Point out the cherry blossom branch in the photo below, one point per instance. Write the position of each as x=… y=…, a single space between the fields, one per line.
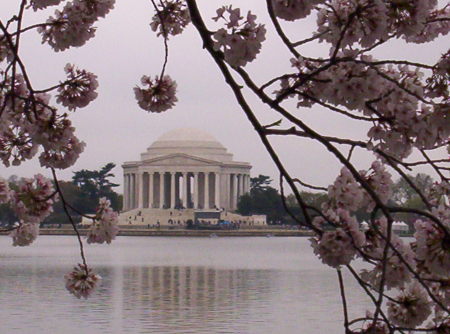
x=35 y=26
x=290 y=213
x=204 y=33
x=343 y=299
x=281 y=77
x=395 y=82
x=310 y=39
x=339 y=110
x=279 y=30
x=396 y=62
x=432 y=164
x=375 y=45
x=309 y=185
x=368 y=292
x=166 y=47
x=74 y=226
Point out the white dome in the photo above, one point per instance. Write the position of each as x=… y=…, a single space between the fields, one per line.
x=189 y=141
x=187 y=134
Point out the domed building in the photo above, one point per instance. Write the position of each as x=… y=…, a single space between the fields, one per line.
x=185 y=169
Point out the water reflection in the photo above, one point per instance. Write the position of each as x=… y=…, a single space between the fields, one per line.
x=141 y=294
x=193 y=299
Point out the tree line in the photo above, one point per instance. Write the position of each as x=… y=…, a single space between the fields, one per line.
x=82 y=193
x=266 y=200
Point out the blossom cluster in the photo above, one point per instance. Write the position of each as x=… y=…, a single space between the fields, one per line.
x=42 y=4
x=158 y=96
x=32 y=201
x=340 y=245
x=24 y=234
x=411 y=308
x=241 y=40
x=28 y=121
x=171 y=18
x=392 y=260
x=291 y=10
x=346 y=22
x=346 y=193
x=81 y=281
x=73 y=25
x=104 y=227
x=398 y=257
x=432 y=245
x=79 y=89
x=391 y=95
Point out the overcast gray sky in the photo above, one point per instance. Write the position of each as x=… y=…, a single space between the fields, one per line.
x=117 y=130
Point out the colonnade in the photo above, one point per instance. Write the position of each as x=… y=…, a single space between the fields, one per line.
x=184 y=189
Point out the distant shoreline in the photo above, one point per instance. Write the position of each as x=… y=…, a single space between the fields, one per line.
x=143 y=232
x=188 y=233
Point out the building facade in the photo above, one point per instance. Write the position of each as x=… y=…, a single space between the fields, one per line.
x=185 y=168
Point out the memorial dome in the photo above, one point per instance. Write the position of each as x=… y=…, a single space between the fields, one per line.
x=188 y=141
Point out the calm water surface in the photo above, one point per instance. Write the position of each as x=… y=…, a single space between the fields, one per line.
x=173 y=285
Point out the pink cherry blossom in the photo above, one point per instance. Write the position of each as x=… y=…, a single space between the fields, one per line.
x=363 y=22
x=345 y=193
x=397 y=273
x=42 y=4
x=432 y=246
x=64 y=156
x=5 y=192
x=437 y=84
x=411 y=307
x=291 y=10
x=375 y=328
x=435 y=24
x=381 y=183
x=16 y=146
x=33 y=200
x=338 y=246
x=5 y=49
x=25 y=234
x=158 y=96
x=81 y=282
x=104 y=227
x=172 y=18
x=79 y=89
x=73 y=26
x=240 y=42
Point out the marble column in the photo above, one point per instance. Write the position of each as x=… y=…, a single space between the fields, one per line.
x=242 y=184
x=151 y=182
x=196 y=192
x=133 y=191
x=140 y=192
x=217 y=190
x=172 y=190
x=235 y=192
x=206 y=192
x=184 y=193
x=161 y=190
x=125 y=195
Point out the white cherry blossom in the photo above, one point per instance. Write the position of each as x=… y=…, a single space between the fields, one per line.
x=104 y=228
x=79 y=89
x=81 y=282
x=172 y=18
x=411 y=307
x=158 y=96
x=25 y=234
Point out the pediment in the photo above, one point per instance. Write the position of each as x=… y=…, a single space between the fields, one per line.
x=180 y=159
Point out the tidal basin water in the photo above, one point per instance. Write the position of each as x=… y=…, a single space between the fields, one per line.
x=174 y=285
